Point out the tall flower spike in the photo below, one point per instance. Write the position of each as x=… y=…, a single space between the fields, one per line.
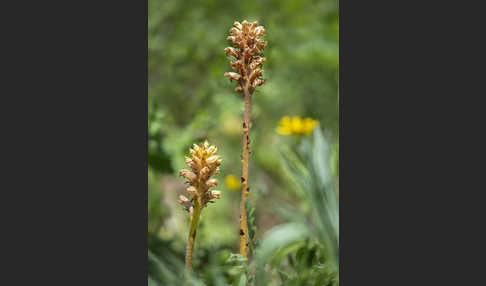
x=203 y=163
x=247 y=53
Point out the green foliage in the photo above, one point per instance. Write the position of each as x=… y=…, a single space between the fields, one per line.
x=164 y=264
x=314 y=177
x=308 y=245
x=157 y=211
x=238 y=270
x=252 y=228
x=158 y=159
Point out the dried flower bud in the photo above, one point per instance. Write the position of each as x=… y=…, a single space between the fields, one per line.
x=246 y=27
x=232 y=75
x=260 y=45
x=211 y=160
x=183 y=199
x=186 y=203
x=192 y=191
x=215 y=194
x=211 y=183
x=255 y=73
x=257 y=62
x=198 y=163
x=237 y=25
x=188 y=175
x=212 y=150
x=232 y=39
x=189 y=161
x=191 y=164
x=258 y=82
x=204 y=173
x=234 y=31
x=231 y=52
x=259 y=31
x=236 y=65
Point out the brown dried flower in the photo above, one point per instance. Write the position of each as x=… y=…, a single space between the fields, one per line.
x=248 y=54
x=204 y=163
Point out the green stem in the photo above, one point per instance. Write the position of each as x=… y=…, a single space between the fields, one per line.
x=192 y=235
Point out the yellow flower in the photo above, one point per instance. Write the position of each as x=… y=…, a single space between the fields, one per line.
x=232 y=182
x=285 y=126
x=296 y=125
x=308 y=125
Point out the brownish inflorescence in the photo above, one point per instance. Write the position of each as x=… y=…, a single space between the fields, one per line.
x=248 y=53
x=203 y=163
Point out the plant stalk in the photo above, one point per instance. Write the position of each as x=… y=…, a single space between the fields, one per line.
x=244 y=177
x=192 y=235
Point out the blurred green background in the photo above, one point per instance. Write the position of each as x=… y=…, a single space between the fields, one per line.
x=293 y=178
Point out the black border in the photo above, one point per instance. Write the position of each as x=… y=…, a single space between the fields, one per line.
x=78 y=144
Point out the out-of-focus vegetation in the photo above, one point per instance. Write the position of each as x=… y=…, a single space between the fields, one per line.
x=293 y=203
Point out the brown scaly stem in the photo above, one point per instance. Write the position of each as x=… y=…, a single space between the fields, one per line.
x=244 y=177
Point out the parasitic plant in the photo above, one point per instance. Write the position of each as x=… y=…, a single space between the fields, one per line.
x=204 y=163
x=247 y=51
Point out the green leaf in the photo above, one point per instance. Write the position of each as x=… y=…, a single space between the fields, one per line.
x=283 y=276
x=242 y=281
x=278 y=237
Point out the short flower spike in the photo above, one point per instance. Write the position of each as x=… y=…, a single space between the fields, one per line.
x=203 y=164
